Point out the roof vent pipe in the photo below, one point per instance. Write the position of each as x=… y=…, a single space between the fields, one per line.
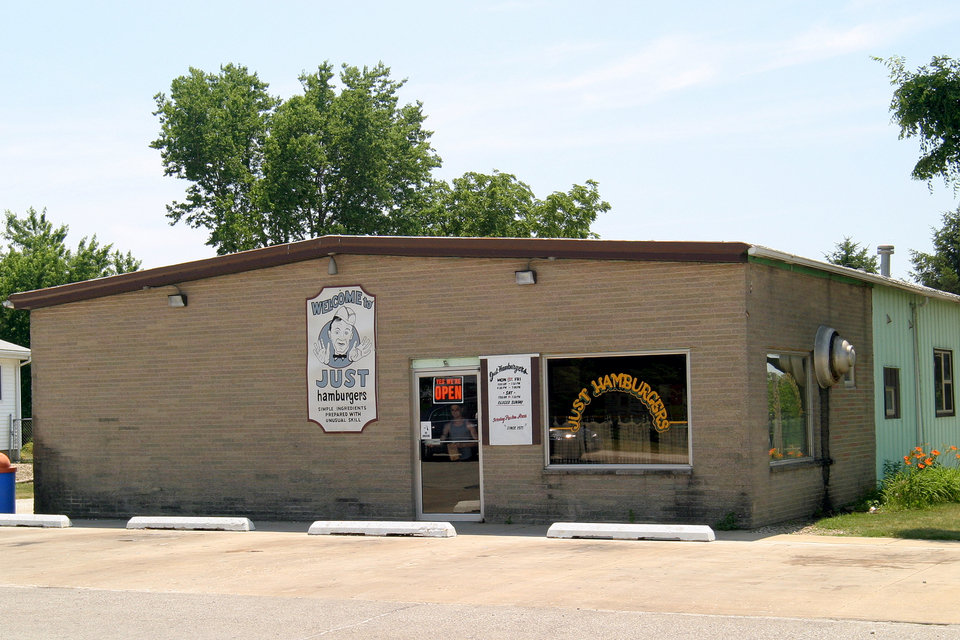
x=885 y=251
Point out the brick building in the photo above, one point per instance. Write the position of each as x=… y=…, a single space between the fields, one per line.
x=523 y=380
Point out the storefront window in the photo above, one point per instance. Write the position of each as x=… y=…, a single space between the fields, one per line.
x=788 y=406
x=618 y=410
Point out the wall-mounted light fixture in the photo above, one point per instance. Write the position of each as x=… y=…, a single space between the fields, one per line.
x=527 y=276
x=332 y=266
x=178 y=299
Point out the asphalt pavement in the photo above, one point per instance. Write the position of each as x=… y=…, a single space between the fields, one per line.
x=100 y=580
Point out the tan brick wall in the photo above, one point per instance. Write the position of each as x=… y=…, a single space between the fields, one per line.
x=785 y=309
x=140 y=408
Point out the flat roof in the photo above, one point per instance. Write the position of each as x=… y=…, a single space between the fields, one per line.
x=526 y=248
x=419 y=246
x=756 y=251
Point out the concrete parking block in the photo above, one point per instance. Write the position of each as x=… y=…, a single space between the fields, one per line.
x=380 y=528
x=682 y=532
x=195 y=523
x=33 y=520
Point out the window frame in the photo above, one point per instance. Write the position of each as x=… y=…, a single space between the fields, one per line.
x=612 y=467
x=808 y=405
x=942 y=386
x=850 y=378
x=891 y=412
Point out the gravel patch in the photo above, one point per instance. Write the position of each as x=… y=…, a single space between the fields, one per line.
x=24 y=471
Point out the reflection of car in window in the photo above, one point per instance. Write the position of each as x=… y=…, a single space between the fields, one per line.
x=568 y=446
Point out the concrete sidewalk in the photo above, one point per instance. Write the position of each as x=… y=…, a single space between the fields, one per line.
x=790 y=576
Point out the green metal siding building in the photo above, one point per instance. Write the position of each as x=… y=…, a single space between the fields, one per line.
x=909 y=327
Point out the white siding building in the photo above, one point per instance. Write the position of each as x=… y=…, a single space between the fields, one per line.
x=12 y=357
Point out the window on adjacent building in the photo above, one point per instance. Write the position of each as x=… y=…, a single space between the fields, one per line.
x=943 y=382
x=618 y=409
x=850 y=378
x=788 y=406
x=891 y=392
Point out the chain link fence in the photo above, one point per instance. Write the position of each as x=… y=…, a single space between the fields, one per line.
x=21 y=435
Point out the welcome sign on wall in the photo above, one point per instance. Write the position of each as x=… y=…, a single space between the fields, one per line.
x=342 y=358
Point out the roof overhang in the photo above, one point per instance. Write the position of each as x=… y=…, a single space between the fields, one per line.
x=13 y=351
x=757 y=251
x=523 y=248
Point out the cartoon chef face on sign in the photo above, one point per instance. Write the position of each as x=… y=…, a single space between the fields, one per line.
x=339 y=344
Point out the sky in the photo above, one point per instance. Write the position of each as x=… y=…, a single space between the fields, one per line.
x=758 y=122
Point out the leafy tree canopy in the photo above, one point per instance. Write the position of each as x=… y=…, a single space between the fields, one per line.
x=342 y=157
x=500 y=205
x=941 y=269
x=851 y=254
x=926 y=105
x=37 y=257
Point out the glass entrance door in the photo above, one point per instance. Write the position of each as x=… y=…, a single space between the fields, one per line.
x=449 y=459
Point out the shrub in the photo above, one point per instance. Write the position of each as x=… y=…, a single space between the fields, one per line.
x=922 y=481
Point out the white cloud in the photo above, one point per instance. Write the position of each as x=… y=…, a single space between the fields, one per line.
x=823 y=43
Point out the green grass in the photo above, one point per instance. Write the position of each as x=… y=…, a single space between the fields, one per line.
x=937 y=522
x=24 y=490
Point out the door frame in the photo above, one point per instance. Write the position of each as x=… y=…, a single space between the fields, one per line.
x=415 y=375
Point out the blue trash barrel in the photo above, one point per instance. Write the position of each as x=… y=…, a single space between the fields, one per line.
x=8 y=486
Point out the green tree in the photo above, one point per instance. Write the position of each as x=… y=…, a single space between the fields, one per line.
x=37 y=257
x=926 y=105
x=266 y=171
x=851 y=254
x=212 y=131
x=500 y=205
x=347 y=162
x=343 y=157
x=941 y=269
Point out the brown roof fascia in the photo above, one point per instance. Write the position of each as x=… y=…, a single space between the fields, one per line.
x=527 y=248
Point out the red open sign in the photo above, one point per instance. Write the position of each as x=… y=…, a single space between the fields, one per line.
x=448 y=390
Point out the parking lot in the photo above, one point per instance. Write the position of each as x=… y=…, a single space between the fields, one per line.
x=491 y=568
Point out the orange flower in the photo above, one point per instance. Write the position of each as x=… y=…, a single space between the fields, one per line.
x=920 y=466
x=934 y=453
x=910 y=462
x=919 y=449
x=906 y=459
x=929 y=461
x=953 y=447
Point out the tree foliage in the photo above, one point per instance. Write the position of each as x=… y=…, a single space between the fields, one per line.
x=941 y=269
x=851 y=254
x=37 y=257
x=926 y=105
x=212 y=131
x=342 y=157
x=500 y=205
